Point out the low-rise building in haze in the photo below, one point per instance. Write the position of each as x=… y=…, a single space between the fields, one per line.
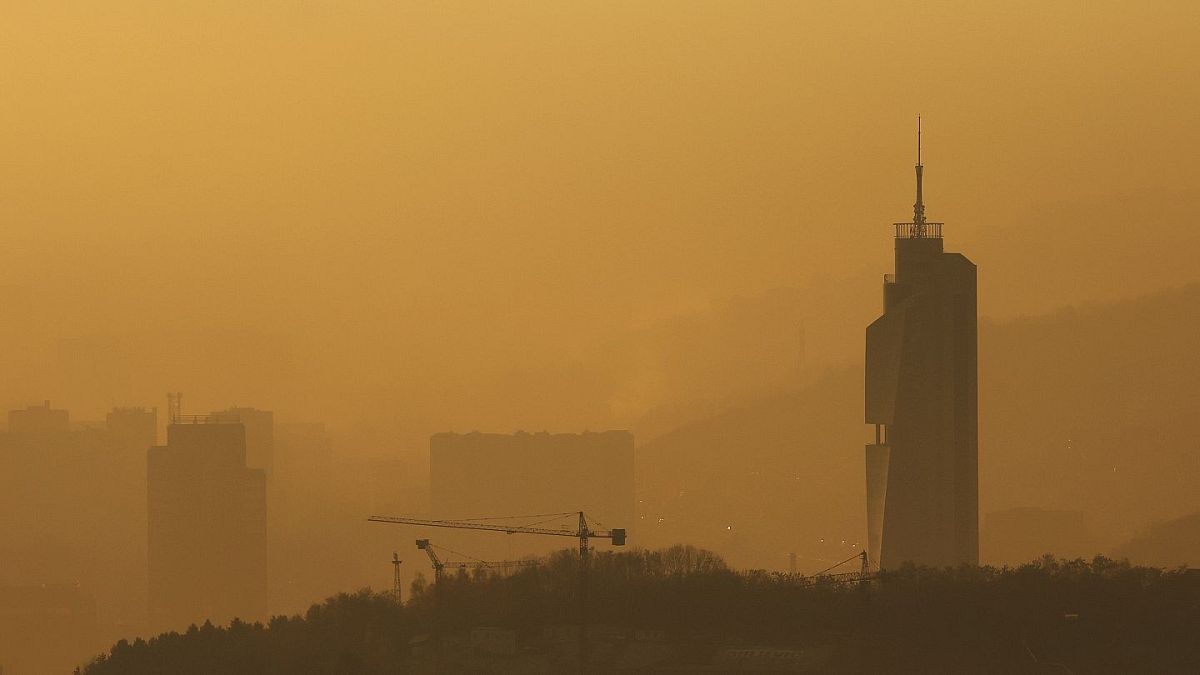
x=40 y=422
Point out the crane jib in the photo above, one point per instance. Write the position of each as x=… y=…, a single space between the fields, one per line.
x=617 y=535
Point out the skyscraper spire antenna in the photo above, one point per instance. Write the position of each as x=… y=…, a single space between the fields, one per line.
x=918 y=227
x=919 y=205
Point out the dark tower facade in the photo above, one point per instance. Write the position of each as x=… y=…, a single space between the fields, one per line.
x=921 y=395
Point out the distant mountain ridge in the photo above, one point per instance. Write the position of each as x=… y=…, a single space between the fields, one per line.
x=1084 y=408
x=1166 y=544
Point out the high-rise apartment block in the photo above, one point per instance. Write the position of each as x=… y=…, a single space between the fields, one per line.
x=207 y=526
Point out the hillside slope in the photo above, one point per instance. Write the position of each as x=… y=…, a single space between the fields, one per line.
x=1083 y=409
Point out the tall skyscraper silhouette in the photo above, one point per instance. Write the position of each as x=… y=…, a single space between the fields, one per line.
x=921 y=395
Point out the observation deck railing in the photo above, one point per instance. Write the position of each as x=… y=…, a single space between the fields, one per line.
x=216 y=418
x=918 y=231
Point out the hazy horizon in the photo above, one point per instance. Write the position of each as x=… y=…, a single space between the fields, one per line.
x=389 y=204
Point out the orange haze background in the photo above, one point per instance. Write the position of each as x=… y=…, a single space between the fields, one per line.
x=404 y=218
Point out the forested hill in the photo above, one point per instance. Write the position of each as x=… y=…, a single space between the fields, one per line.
x=683 y=609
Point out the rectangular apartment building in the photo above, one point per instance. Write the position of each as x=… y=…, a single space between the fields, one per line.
x=207 y=526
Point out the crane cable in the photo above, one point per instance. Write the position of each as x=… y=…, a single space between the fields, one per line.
x=556 y=517
x=535 y=515
x=458 y=553
x=856 y=555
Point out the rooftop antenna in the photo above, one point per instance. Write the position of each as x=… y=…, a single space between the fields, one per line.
x=919 y=205
x=174 y=407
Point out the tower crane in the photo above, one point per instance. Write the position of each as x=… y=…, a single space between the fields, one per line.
x=583 y=532
x=439 y=565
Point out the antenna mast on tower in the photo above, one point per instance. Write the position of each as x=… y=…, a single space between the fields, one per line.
x=174 y=406
x=919 y=228
x=919 y=205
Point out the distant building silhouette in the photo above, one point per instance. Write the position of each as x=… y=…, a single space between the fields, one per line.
x=260 y=436
x=40 y=422
x=207 y=529
x=474 y=475
x=133 y=427
x=46 y=627
x=78 y=486
x=921 y=395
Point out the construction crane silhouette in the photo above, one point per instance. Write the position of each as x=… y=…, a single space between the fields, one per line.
x=583 y=532
x=439 y=565
x=866 y=573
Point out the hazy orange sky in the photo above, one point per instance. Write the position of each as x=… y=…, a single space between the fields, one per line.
x=405 y=194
